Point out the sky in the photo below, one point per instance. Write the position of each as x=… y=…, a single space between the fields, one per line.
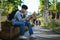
x=32 y=5
x=58 y=0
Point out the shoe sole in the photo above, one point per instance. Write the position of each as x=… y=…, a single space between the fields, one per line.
x=22 y=39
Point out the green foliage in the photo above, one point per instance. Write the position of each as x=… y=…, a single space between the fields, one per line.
x=58 y=6
x=4 y=13
x=52 y=6
x=54 y=24
x=15 y=1
x=41 y=7
x=42 y=2
x=9 y=5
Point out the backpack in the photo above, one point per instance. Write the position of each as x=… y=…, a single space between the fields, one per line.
x=11 y=16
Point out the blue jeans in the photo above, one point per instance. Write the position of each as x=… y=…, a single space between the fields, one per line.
x=22 y=25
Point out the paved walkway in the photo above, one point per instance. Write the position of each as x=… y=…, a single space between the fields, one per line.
x=43 y=34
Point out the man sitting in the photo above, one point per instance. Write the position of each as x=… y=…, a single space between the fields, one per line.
x=21 y=19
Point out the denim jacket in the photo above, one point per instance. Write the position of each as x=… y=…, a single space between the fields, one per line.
x=19 y=17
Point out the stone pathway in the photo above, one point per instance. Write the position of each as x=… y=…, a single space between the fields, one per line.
x=43 y=34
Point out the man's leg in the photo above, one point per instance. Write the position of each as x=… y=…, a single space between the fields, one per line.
x=30 y=30
x=29 y=27
x=21 y=26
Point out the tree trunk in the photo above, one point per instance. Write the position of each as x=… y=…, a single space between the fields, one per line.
x=0 y=18
x=46 y=12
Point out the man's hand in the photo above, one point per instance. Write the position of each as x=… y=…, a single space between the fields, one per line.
x=28 y=17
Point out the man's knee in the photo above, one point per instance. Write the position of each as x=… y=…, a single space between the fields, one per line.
x=19 y=23
x=22 y=23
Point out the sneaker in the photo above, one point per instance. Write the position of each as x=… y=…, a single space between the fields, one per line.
x=33 y=36
x=23 y=37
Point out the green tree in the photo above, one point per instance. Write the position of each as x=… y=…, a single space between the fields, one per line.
x=44 y=9
x=41 y=7
x=8 y=5
x=52 y=6
x=58 y=6
x=46 y=12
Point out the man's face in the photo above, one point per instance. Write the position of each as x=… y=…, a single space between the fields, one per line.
x=23 y=10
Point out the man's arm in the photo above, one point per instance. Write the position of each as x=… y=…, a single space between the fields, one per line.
x=18 y=16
